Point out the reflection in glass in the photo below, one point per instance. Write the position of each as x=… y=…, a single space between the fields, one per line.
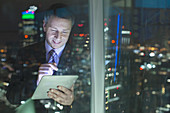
x=136 y=56
x=30 y=31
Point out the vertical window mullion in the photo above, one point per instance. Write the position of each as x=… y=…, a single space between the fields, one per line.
x=97 y=55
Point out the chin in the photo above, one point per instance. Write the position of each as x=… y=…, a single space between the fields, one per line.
x=56 y=47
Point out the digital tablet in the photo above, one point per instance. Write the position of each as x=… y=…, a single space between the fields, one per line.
x=50 y=81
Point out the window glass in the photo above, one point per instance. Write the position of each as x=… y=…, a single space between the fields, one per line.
x=136 y=34
x=21 y=27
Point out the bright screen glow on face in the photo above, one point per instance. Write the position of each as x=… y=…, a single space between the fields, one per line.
x=57 y=31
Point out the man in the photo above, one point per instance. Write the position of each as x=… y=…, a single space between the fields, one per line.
x=57 y=27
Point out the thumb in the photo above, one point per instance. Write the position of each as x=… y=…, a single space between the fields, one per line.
x=54 y=66
x=72 y=87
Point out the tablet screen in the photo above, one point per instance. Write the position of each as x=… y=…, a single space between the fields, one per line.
x=50 y=81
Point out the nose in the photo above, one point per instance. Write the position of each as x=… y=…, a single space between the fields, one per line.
x=58 y=35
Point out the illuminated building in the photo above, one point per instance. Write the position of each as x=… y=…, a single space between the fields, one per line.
x=28 y=27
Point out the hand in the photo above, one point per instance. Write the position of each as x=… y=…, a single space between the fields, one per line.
x=63 y=95
x=46 y=69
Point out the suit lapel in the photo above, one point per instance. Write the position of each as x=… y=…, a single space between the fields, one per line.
x=40 y=53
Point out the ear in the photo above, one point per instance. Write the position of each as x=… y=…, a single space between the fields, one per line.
x=44 y=26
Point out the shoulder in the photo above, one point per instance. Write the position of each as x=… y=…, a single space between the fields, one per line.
x=32 y=53
x=33 y=48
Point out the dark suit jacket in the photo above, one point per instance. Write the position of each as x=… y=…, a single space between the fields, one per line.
x=23 y=83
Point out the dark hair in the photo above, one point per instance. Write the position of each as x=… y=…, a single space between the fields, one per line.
x=59 y=10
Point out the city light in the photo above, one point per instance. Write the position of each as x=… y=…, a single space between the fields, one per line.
x=168 y=80
x=41 y=35
x=106 y=29
x=5 y=83
x=145 y=80
x=141 y=48
x=47 y=105
x=136 y=51
x=164 y=60
x=137 y=60
x=123 y=27
x=153 y=92
x=81 y=35
x=54 y=108
x=168 y=105
x=152 y=54
x=164 y=109
x=26 y=36
x=113 y=41
x=149 y=66
x=28 y=22
x=107 y=108
x=109 y=69
x=117 y=73
x=28 y=16
x=80 y=25
x=85 y=45
x=75 y=34
x=60 y=106
x=105 y=24
x=115 y=95
x=3 y=59
x=2 y=51
x=142 y=54
x=106 y=92
x=126 y=32
x=87 y=41
x=142 y=67
x=153 y=66
x=138 y=93
x=22 y=102
x=163 y=90
x=32 y=8
x=160 y=55
x=152 y=48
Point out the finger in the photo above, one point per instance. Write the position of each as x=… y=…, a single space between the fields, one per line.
x=56 y=98
x=51 y=95
x=44 y=73
x=59 y=93
x=53 y=66
x=65 y=90
x=49 y=65
x=60 y=100
x=45 y=65
x=44 y=68
x=72 y=88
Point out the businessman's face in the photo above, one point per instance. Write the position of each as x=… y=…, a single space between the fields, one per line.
x=57 y=31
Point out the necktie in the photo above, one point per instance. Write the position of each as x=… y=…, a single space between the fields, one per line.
x=53 y=57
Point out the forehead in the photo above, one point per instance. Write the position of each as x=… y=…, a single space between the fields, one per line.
x=59 y=22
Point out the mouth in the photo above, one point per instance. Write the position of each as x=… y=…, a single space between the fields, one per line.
x=56 y=42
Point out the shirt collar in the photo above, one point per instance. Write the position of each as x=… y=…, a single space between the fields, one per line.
x=49 y=48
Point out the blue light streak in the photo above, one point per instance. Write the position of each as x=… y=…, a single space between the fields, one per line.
x=28 y=12
x=117 y=46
